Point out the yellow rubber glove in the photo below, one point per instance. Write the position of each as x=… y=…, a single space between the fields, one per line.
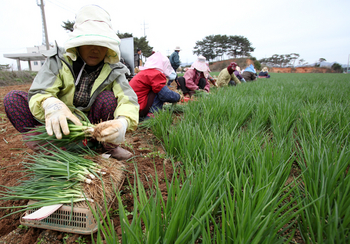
x=111 y=131
x=56 y=115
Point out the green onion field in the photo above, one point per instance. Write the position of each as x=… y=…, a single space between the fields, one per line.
x=262 y=162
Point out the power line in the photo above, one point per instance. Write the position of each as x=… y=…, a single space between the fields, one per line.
x=62 y=6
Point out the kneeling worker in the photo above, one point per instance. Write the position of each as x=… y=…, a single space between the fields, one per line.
x=150 y=85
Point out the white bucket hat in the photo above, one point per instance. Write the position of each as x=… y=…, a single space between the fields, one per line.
x=93 y=27
x=200 y=64
x=160 y=62
x=177 y=48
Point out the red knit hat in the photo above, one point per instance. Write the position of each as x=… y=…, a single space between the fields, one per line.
x=233 y=65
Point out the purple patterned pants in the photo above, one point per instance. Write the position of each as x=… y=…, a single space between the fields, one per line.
x=17 y=109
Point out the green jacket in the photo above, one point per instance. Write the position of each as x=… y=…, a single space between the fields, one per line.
x=56 y=79
x=225 y=77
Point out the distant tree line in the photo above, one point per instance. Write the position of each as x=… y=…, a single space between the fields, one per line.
x=216 y=46
x=282 y=60
x=289 y=60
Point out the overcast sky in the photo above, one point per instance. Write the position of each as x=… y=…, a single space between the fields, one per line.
x=312 y=28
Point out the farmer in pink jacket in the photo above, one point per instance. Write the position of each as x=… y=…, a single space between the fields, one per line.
x=195 y=78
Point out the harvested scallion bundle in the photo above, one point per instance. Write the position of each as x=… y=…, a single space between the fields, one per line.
x=77 y=133
x=55 y=176
x=59 y=163
x=46 y=190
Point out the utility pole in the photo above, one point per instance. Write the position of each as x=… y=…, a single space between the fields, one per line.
x=144 y=28
x=45 y=40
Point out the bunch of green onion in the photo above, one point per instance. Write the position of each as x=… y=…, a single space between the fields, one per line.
x=52 y=179
x=63 y=165
x=77 y=133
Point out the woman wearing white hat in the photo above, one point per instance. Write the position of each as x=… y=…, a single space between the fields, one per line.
x=86 y=76
x=264 y=73
x=150 y=85
x=195 y=78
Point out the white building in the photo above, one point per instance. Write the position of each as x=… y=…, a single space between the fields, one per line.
x=36 y=64
x=33 y=56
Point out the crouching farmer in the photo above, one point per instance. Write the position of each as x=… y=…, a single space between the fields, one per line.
x=227 y=76
x=195 y=78
x=86 y=76
x=150 y=85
